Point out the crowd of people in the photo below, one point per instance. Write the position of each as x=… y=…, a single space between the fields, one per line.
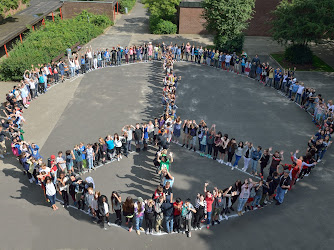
x=62 y=174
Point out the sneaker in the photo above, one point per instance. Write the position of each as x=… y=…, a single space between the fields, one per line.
x=109 y=224
x=1 y=156
x=138 y=232
x=207 y=226
x=226 y=218
x=105 y=228
x=130 y=229
x=30 y=180
x=120 y=157
x=141 y=229
x=199 y=228
x=147 y=231
x=189 y=234
x=220 y=217
x=306 y=175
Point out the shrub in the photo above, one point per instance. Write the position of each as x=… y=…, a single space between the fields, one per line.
x=298 y=54
x=229 y=45
x=126 y=4
x=42 y=45
x=165 y=27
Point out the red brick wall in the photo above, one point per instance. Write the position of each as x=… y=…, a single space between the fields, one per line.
x=259 y=25
x=190 y=21
x=71 y=9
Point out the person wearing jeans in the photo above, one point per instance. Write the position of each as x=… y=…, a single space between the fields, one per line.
x=238 y=154
x=209 y=198
x=167 y=209
x=284 y=185
x=258 y=194
x=139 y=208
x=244 y=194
x=247 y=155
x=256 y=155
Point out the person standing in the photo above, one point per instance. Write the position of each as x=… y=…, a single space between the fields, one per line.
x=187 y=213
x=247 y=155
x=277 y=158
x=103 y=208
x=244 y=195
x=116 y=201
x=283 y=187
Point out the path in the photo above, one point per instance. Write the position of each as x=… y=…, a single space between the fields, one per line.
x=133 y=29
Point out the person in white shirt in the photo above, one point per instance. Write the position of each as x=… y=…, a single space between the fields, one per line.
x=103 y=208
x=50 y=191
x=227 y=61
x=300 y=91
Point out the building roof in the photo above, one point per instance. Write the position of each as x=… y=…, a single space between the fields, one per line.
x=191 y=4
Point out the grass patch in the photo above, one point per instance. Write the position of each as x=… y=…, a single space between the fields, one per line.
x=317 y=65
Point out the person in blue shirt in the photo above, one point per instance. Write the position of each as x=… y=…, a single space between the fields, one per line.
x=34 y=149
x=295 y=87
x=107 y=57
x=119 y=56
x=196 y=54
x=83 y=65
x=178 y=54
x=256 y=155
x=110 y=147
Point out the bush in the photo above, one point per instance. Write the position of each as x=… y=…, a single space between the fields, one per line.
x=126 y=4
x=42 y=45
x=165 y=27
x=160 y=26
x=225 y=44
x=298 y=54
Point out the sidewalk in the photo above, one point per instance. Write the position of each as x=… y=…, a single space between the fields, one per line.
x=133 y=29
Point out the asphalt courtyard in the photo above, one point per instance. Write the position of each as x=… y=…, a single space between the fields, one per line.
x=104 y=100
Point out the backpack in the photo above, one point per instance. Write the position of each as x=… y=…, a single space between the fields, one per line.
x=184 y=211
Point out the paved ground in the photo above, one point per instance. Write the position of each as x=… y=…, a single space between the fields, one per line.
x=302 y=222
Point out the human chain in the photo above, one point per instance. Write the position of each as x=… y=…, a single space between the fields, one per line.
x=62 y=173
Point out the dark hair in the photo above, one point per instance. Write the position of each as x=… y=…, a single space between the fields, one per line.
x=178 y=200
x=128 y=205
x=113 y=198
x=188 y=200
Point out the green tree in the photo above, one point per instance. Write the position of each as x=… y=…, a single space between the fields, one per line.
x=164 y=9
x=299 y=22
x=10 y=4
x=303 y=21
x=227 y=19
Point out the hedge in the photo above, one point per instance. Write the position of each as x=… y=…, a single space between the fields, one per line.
x=161 y=26
x=126 y=4
x=298 y=54
x=222 y=43
x=42 y=45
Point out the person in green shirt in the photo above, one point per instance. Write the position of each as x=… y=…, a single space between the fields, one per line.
x=164 y=161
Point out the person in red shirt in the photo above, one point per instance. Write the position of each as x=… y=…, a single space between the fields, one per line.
x=177 y=214
x=54 y=168
x=209 y=198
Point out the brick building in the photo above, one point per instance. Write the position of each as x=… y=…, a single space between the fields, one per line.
x=190 y=18
x=72 y=8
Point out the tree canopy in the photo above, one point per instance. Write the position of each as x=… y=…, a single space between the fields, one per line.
x=303 y=21
x=228 y=19
x=165 y=9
